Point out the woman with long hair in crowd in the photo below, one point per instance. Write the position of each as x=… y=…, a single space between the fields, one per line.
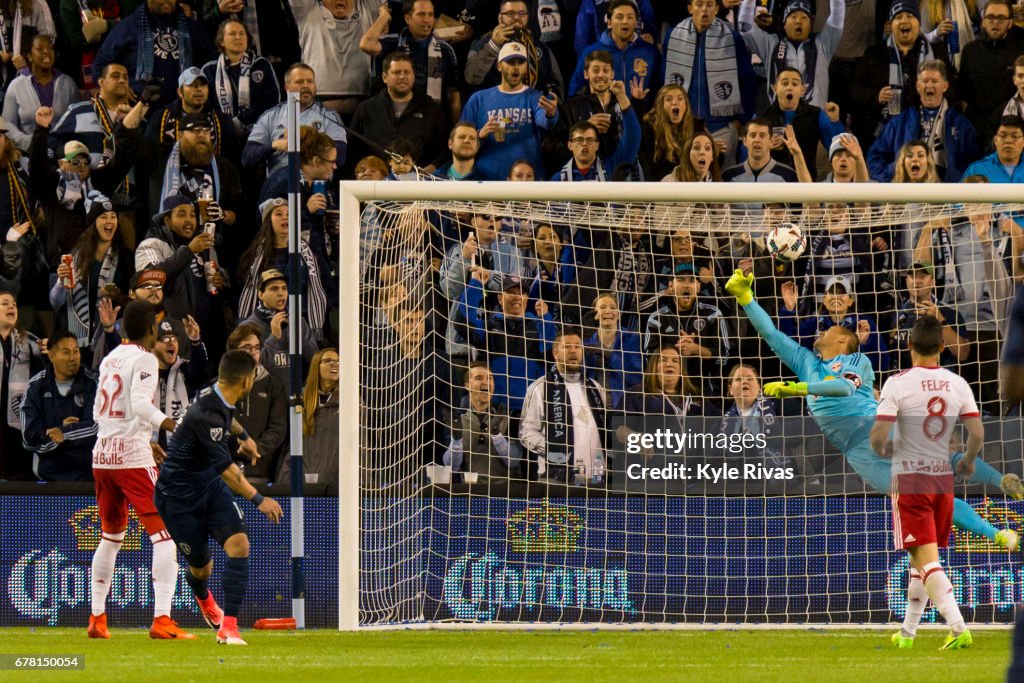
x=319 y=423
x=99 y=258
x=269 y=249
x=915 y=164
x=666 y=132
x=699 y=164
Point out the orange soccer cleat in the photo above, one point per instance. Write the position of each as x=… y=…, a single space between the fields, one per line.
x=211 y=611
x=98 y=626
x=164 y=628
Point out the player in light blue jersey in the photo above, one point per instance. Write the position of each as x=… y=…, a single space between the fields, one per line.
x=839 y=385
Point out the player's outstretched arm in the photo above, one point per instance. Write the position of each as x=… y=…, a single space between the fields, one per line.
x=237 y=482
x=792 y=354
x=836 y=388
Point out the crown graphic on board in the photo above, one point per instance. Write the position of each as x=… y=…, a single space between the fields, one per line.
x=999 y=517
x=548 y=528
x=85 y=523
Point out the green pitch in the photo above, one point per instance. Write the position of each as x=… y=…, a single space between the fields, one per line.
x=586 y=656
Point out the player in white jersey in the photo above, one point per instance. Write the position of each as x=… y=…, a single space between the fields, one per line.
x=925 y=403
x=125 y=470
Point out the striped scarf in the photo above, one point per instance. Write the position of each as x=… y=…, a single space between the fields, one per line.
x=145 y=55
x=78 y=310
x=720 y=65
x=174 y=179
x=224 y=86
x=924 y=52
x=435 y=64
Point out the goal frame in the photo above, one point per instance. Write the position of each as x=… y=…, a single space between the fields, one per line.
x=351 y=193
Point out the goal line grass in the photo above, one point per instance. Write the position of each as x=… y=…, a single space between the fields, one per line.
x=834 y=655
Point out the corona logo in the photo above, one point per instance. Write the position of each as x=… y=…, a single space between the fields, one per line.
x=999 y=517
x=549 y=528
x=85 y=524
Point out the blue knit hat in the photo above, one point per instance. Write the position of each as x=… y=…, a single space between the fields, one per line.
x=900 y=6
x=798 y=6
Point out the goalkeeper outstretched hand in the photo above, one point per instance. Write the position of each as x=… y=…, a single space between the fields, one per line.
x=784 y=389
x=741 y=286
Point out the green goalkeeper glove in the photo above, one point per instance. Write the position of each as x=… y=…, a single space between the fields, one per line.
x=741 y=286
x=785 y=389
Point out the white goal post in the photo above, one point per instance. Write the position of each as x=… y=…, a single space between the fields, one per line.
x=672 y=198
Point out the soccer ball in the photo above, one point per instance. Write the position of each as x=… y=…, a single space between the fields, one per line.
x=785 y=242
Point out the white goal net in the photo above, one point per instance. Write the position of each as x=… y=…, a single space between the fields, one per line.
x=554 y=412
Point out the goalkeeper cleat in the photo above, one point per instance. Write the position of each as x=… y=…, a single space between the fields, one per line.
x=957 y=642
x=1012 y=486
x=1007 y=539
x=98 y=626
x=164 y=628
x=230 y=636
x=211 y=611
x=901 y=641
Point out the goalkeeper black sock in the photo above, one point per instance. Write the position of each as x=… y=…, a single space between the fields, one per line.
x=235 y=580
x=199 y=586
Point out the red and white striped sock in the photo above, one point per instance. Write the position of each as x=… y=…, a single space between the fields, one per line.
x=917 y=601
x=940 y=590
x=103 y=561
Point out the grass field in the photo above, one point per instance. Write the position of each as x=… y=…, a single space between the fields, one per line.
x=488 y=656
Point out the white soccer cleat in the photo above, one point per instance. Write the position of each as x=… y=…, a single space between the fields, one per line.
x=1007 y=539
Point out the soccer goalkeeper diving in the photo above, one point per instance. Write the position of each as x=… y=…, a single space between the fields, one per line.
x=839 y=385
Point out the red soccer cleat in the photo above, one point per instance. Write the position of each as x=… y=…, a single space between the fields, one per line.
x=164 y=628
x=98 y=626
x=230 y=636
x=211 y=611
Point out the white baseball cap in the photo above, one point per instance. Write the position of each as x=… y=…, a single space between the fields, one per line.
x=512 y=51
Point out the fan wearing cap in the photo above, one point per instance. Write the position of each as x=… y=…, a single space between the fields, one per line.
x=99 y=259
x=270 y=316
x=515 y=339
x=43 y=86
x=919 y=301
x=798 y=47
x=147 y=285
x=196 y=171
x=949 y=135
x=889 y=69
x=180 y=378
x=175 y=246
x=510 y=117
x=846 y=159
x=838 y=309
x=140 y=40
x=164 y=127
x=697 y=329
x=269 y=251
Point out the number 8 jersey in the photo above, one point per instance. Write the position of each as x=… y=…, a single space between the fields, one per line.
x=124 y=411
x=925 y=403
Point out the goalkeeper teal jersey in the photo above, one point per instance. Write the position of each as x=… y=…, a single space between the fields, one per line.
x=847 y=419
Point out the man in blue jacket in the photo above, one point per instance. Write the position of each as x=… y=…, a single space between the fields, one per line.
x=56 y=415
x=1003 y=165
x=161 y=41
x=948 y=133
x=583 y=143
x=636 y=62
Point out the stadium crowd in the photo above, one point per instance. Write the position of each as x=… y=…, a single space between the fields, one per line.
x=144 y=146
